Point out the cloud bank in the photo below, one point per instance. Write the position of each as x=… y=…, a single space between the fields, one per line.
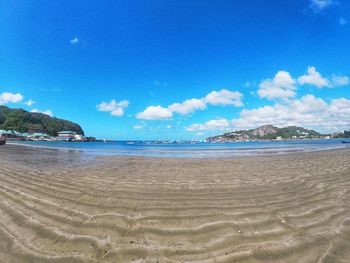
x=308 y=111
x=216 y=98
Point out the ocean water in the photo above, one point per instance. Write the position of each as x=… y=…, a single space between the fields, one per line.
x=193 y=150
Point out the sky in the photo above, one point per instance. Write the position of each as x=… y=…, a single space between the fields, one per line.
x=178 y=69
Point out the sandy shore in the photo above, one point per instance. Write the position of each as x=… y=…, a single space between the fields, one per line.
x=57 y=206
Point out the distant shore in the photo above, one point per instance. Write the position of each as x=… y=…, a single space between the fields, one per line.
x=58 y=206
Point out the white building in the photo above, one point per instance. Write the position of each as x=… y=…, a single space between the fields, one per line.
x=67 y=135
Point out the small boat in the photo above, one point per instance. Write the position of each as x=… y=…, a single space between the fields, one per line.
x=345 y=141
x=2 y=140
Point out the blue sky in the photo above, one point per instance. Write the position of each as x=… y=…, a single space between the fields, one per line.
x=178 y=69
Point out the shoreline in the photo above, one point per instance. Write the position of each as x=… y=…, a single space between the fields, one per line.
x=189 y=153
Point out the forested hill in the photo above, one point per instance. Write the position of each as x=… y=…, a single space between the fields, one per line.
x=268 y=132
x=24 y=121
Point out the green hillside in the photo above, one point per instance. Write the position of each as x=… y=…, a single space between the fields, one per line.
x=24 y=121
x=268 y=132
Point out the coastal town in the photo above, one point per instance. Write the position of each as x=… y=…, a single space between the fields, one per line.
x=67 y=136
x=263 y=133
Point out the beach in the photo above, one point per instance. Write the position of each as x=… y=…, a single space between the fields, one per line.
x=62 y=206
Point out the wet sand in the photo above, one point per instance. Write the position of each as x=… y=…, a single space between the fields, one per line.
x=58 y=206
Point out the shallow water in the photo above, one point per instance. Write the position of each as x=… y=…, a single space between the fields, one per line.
x=156 y=149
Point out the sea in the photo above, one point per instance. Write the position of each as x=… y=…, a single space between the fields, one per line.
x=192 y=149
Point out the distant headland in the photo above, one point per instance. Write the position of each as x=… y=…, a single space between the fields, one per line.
x=270 y=132
x=19 y=124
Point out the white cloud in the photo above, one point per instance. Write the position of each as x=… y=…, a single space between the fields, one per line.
x=169 y=126
x=219 y=124
x=224 y=97
x=313 y=77
x=319 y=5
x=307 y=111
x=308 y=104
x=282 y=86
x=155 y=113
x=188 y=106
x=29 y=102
x=340 y=108
x=47 y=112
x=114 y=107
x=8 y=97
x=74 y=41
x=339 y=80
x=138 y=126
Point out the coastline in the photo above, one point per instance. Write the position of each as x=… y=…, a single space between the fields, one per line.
x=58 y=207
x=202 y=150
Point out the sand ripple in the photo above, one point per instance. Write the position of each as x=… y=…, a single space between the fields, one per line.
x=59 y=207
